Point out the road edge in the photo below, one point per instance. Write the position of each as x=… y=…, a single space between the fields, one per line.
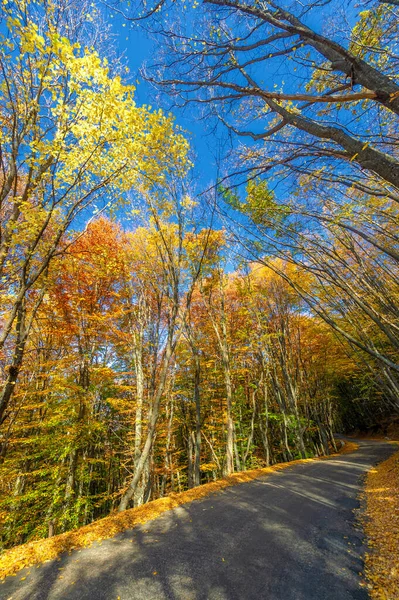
x=43 y=550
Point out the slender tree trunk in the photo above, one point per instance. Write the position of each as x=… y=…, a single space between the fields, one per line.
x=229 y=415
x=138 y=425
x=190 y=478
x=15 y=367
x=265 y=431
x=223 y=344
x=285 y=437
x=84 y=382
x=218 y=320
x=251 y=433
x=155 y=406
x=237 y=454
x=197 y=400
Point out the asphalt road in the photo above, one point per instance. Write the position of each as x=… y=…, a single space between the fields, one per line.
x=289 y=536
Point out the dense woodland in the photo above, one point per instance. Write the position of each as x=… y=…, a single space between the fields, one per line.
x=155 y=336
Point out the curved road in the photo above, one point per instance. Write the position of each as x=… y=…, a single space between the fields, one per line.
x=289 y=536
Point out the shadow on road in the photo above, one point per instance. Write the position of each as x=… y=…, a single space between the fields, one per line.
x=290 y=536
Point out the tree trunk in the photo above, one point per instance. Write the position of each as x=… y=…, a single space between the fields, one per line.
x=197 y=400
x=141 y=463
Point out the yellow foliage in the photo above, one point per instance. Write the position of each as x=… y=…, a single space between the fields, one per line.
x=99 y=132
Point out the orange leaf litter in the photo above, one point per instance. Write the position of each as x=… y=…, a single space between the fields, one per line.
x=382 y=529
x=39 y=551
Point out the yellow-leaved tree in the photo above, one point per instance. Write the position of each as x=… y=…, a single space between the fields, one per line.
x=70 y=134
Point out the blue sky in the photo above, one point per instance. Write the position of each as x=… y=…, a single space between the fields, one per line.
x=136 y=47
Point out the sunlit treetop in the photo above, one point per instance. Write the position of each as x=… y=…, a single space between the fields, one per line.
x=71 y=112
x=70 y=131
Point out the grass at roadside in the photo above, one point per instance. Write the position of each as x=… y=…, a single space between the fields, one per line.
x=382 y=529
x=39 y=551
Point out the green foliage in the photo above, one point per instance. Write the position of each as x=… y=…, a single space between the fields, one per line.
x=259 y=204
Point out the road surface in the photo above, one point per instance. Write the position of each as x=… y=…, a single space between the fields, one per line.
x=289 y=536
